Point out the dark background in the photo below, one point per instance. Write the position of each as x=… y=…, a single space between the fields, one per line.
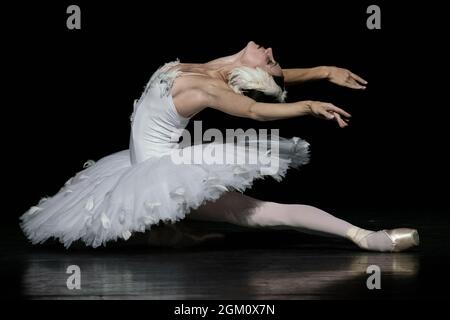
x=68 y=94
x=73 y=92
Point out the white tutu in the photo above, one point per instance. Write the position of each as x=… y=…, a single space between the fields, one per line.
x=114 y=197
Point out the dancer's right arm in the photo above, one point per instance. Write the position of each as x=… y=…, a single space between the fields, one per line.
x=227 y=101
x=224 y=99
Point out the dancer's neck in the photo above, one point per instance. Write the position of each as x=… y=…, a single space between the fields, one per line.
x=218 y=68
x=222 y=67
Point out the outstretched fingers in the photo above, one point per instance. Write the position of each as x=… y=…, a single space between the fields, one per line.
x=332 y=107
x=355 y=82
x=329 y=111
x=341 y=122
x=351 y=83
x=337 y=114
x=358 y=78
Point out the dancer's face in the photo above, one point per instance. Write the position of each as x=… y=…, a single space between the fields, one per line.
x=255 y=55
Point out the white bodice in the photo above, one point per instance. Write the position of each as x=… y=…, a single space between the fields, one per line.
x=156 y=126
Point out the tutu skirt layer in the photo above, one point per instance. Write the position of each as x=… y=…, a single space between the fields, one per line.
x=112 y=198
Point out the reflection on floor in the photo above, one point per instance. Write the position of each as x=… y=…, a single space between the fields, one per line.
x=244 y=264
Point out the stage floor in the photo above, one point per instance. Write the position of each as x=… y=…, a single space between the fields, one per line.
x=245 y=264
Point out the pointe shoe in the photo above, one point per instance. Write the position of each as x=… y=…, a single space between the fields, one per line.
x=394 y=240
x=403 y=238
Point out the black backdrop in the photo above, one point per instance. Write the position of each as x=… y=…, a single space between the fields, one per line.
x=74 y=90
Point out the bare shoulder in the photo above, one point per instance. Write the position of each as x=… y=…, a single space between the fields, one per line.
x=192 y=93
x=191 y=83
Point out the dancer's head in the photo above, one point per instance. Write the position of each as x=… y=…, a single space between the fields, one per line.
x=259 y=76
x=256 y=56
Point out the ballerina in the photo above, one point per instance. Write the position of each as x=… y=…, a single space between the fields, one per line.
x=134 y=189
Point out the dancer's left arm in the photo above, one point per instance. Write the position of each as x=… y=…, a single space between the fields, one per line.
x=339 y=76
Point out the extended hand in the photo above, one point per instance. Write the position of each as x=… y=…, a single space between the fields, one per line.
x=328 y=111
x=345 y=78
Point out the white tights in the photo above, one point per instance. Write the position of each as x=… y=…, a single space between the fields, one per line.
x=243 y=210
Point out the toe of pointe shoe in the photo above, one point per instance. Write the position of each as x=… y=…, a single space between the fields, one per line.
x=403 y=238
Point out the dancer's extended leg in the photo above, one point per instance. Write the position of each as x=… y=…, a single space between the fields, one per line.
x=242 y=210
